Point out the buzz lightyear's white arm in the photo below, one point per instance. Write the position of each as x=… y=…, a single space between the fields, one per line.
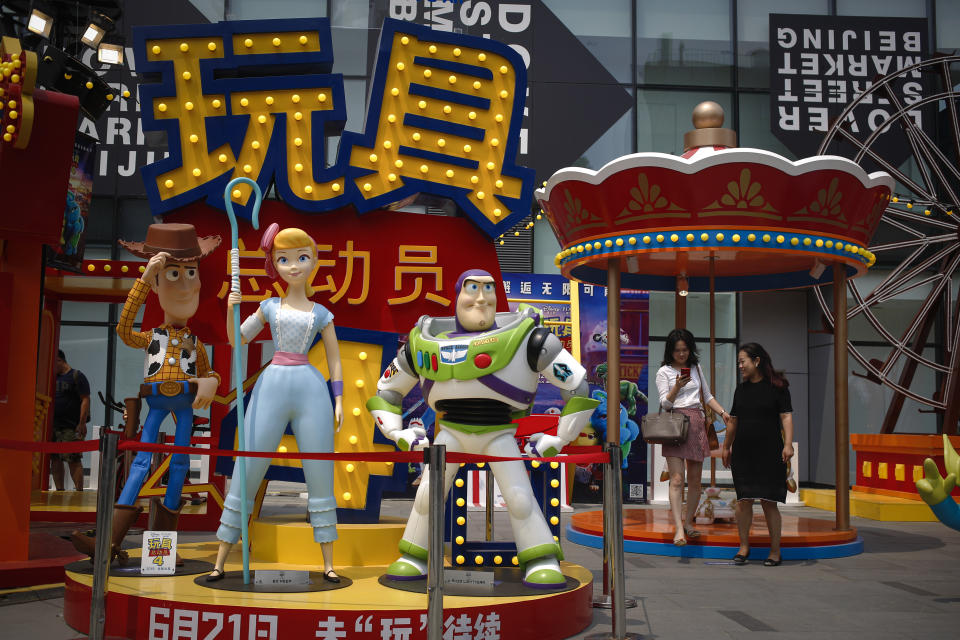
x=547 y=355
x=385 y=407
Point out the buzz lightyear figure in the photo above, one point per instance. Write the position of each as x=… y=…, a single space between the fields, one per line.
x=478 y=371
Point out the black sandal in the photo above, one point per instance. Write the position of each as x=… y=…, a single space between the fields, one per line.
x=215 y=575
x=741 y=558
x=770 y=562
x=331 y=576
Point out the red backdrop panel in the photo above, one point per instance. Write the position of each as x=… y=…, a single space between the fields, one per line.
x=366 y=261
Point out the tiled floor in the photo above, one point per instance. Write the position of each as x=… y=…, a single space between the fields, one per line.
x=905 y=585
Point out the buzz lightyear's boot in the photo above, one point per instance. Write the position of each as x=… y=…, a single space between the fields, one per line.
x=541 y=566
x=411 y=565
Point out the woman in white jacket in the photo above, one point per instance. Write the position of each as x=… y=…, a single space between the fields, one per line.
x=679 y=382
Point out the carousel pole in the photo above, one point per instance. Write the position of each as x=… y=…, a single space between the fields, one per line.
x=713 y=352
x=840 y=401
x=613 y=493
x=680 y=303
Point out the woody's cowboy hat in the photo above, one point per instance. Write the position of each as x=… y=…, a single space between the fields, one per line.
x=179 y=240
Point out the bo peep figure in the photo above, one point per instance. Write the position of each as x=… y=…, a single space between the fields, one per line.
x=290 y=390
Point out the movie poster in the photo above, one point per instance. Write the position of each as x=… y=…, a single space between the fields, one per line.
x=69 y=253
x=551 y=295
x=634 y=369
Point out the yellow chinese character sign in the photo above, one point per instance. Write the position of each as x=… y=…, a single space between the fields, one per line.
x=258 y=99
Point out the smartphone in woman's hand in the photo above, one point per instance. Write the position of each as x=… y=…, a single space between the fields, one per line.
x=684 y=372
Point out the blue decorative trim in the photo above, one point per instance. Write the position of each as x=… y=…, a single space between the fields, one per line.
x=717 y=552
x=232 y=127
x=584 y=270
x=442 y=126
x=518 y=207
x=449 y=65
x=433 y=156
x=426 y=91
x=763 y=239
x=239 y=72
x=544 y=494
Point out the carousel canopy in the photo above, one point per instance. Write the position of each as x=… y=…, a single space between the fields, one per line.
x=770 y=223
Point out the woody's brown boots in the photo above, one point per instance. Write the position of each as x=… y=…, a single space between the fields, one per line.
x=163 y=519
x=123 y=518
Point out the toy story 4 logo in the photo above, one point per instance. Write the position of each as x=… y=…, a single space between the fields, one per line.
x=236 y=99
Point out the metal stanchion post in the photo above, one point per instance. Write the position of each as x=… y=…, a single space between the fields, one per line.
x=617 y=600
x=106 y=490
x=436 y=459
x=490 y=481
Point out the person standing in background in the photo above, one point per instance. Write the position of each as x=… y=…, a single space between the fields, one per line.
x=71 y=410
x=681 y=385
x=758 y=445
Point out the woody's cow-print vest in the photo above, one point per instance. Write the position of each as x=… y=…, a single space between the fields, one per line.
x=157 y=354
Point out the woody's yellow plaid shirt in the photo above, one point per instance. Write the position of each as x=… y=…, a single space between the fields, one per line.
x=179 y=337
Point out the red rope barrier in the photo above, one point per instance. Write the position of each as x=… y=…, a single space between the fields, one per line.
x=578 y=454
x=78 y=446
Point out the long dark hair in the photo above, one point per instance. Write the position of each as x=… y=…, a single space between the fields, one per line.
x=757 y=352
x=678 y=335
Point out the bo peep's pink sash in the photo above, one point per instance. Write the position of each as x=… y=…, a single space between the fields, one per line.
x=289 y=359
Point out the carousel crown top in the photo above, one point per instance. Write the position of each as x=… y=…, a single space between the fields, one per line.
x=768 y=222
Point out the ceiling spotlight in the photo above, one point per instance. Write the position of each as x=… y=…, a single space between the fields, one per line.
x=93 y=35
x=109 y=53
x=98 y=27
x=683 y=287
x=40 y=23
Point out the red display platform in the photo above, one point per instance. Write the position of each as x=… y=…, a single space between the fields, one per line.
x=48 y=555
x=650 y=531
x=176 y=607
x=656 y=525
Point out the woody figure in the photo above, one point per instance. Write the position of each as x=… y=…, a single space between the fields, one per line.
x=177 y=377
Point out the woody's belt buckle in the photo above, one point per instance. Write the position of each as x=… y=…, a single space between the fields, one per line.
x=170 y=388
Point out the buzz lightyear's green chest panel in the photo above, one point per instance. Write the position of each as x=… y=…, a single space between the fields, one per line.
x=443 y=359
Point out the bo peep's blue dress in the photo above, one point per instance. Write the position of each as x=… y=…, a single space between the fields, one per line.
x=290 y=390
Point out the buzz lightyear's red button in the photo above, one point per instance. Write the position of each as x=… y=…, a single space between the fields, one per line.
x=482 y=360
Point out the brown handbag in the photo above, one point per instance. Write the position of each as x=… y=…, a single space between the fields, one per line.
x=709 y=416
x=665 y=428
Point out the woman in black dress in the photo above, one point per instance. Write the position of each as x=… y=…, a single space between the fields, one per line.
x=756 y=447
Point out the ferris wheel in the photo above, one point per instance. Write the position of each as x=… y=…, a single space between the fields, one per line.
x=918 y=238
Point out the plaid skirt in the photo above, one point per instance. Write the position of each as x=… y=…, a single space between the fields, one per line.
x=695 y=447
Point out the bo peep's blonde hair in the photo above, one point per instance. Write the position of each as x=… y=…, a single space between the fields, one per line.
x=294 y=238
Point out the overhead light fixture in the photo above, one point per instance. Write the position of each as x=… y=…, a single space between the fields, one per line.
x=109 y=53
x=93 y=35
x=98 y=27
x=40 y=23
x=683 y=287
